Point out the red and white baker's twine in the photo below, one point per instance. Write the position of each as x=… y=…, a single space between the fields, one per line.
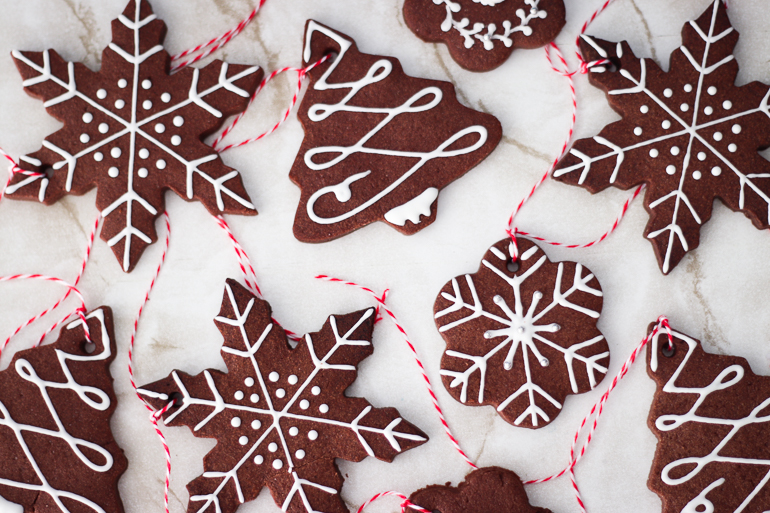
x=405 y=502
x=426 y=379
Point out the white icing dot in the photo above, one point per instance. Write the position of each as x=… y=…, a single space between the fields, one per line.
x=178 y=121
x=675 y=150
x=255 y=424
x=277 y=464
x=671 y=169
x=293 y=431
x=249 y=382
x=160 y=128
x=312 y=434
x=727 y=105
x=653 y=153
x=736 y=129
x=712 y=90
x=258 y=459
x=243 y=440
x=146 y=84
x=708 y=110
x=304 y=404
x=272 y=447
x=235 y=422
x=300 y=454
x=638 y=130
x=280 y=393
x=315 y=390
x=144 y=153
x=104 y=128
x=696 y=175
x=113 y=172
x=717 y=136
x=146 y=104
x=122 y=83
x=161 y=164
x=143 y=172
x=115 y=152
x=684 y=107
x=644 y=109
x=293 y=379
x=324 y=408
x=165 y=97
x=98 y=156
x=732 y=148
x=84 y=138
x=701 y=156
x=273 y=376
x=238 y=395
x=176 y=140
x=666 y=124
x=688 y=88
x=716 y=170
x=668 y=93
x=101 y=94
x=119 y=104
x=88 y=117
x=254 y=398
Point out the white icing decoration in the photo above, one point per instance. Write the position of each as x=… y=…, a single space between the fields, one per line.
x=732 y=148
x=293 y=431
x=696 y=175
x=684 y=107
x=324 y=408
x=701 y=156
x=84 y=138
x=95 y=398
x=278 y=420
x=644 y=109
x=115 y=152
x=413 y=209
x=671 y=169
x=300 y=454
x=249 y=382
x=132 y=127
x=653 y=153
x=144 y=153
x=380 y=70
x=254 y=398
x=293 y=379
x=113 y=172
x=304 y=404
x=142 y=172
x=520 y=330
x=176 y=140
x=666 y=124
x=688 y=88
x=475 y=31
x=717 y=136
x=315 y=390
x=272 y=447
x=694 y=129
x=146 y=84
x=708 y=110
x=146 y=104
x=160 y=128
x=31 y=160
x=675 y=150
x=688 y=468
x=236 y=422
x=160 y=164
x=238 y=396
x=258 y=459
x=122 y=83
x=716 y=170
x=98 y=156
x=165 y=97
x=88 y=117
x=104 y=128
x=736 y=129
x=280 y=393
x=243 y=440
x=638 y=131
x=178 y=121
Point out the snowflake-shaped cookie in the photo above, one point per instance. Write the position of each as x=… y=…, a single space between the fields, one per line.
x=281 y=415
x=132 y=130
x=521 y=335
x=57 y=451
x=690 y=134
x=711 y=415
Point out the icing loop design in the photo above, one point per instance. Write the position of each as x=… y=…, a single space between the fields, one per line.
x=280 y=414
x=377 y=171
x=132 y=130
x=92 y=402
x=727 y=408
x=505 y=342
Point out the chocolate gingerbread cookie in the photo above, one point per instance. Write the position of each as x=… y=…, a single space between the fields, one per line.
x=379 y=145
x=482 y=34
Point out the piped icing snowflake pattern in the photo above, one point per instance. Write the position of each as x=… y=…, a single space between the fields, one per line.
x=379 y=145
x=280 y=415
x=132 y=130
x=57 y=452
x=521 y=335
x=481 y=34
x=711 y=415
x=690 y=134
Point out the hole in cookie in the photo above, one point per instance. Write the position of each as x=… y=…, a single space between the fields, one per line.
x=668 y=349
x=512 y=265
x=177 y=398
x=89 y=347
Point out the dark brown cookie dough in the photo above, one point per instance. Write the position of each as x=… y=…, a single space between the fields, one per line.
x=57 y=451
x=710 y=414
x=280 y=415
x=690 y=134
x=482 y=34
x=521 y=336
x=132 y=131
x=379 y=145
x=486 y=490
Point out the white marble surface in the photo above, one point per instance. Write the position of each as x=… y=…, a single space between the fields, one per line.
x=718 y=293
